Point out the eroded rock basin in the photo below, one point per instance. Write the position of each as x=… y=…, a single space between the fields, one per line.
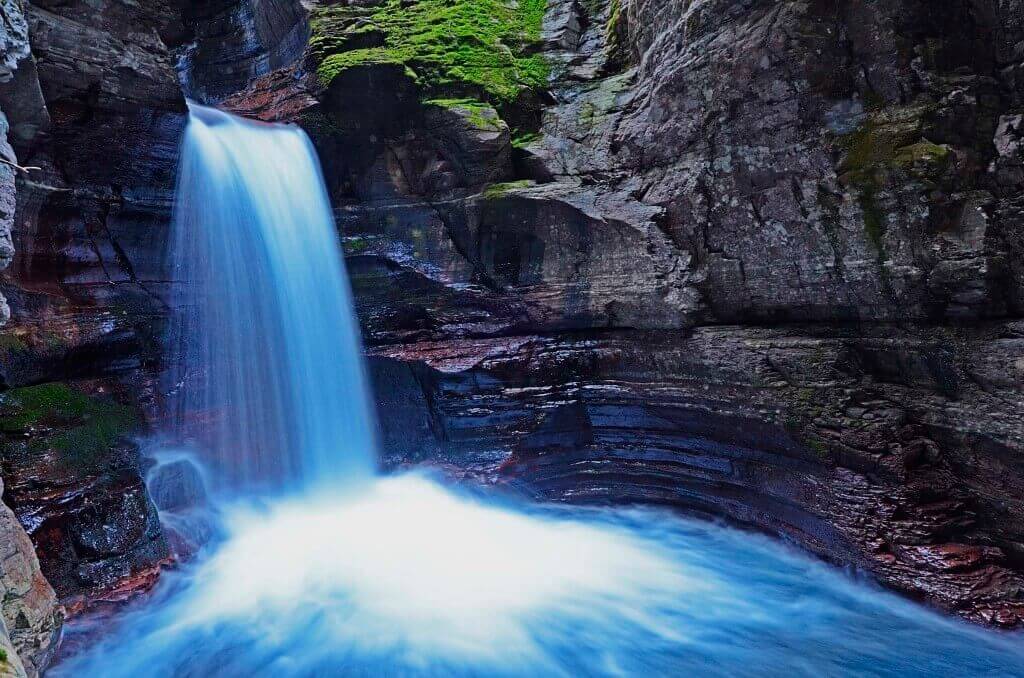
x=406 y=576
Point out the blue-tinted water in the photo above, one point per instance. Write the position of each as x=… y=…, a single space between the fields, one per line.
x=408 y=578
x=340 y=572
x=270 y=344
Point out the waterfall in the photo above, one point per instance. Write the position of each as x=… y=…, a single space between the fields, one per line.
x=408 y=577
x=275 y=390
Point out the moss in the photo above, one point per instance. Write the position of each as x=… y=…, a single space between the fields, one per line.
x=3 y=655
x=25 y=407
x=482 y=116
x=587 y=115
x=495 y=191
x=524 y=139
x=880 y=137
x=923 y=158
x=356 y=245
x=86 y=426
x=874 y=217
x=888 y=141
x=615 y=34
x=445 y=44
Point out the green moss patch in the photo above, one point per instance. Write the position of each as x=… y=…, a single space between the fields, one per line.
x=879 y=139
x=889 y=142
x=83 y=427
x=355 y=245
x=524 y=139
x=480 y=115
x=447 y=45
x=615 y=34
x=923 y=158
x=495 y=191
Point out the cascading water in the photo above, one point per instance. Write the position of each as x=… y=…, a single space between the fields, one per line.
x=405 y=576
x=267 y=326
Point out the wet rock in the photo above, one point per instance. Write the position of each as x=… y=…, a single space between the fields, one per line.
x=74 y=480
x=472 y=138
x=285 y=95
x=32 y=620
x=855 y=447
x=235 y=42
x=20 y=94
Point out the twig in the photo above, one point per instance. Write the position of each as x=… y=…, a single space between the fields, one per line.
x=19 y=168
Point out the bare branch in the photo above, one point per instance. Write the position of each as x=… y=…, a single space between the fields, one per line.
x=19 y=168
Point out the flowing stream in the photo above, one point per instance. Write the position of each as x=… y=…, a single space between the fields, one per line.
x=314 y=565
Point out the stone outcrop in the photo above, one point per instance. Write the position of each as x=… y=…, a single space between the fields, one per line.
x=30 y=622
x=590 y=322
x=86 y=288
x=96 y=108
x=31 y=617
x=75 y=482
x=238 y=41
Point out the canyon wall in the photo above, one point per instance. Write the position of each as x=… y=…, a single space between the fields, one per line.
x=746 y=258
x=94 y=111
x=751 y=259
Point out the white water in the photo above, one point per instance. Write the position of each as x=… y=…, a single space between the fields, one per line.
x=268 y=328
x=339 y=572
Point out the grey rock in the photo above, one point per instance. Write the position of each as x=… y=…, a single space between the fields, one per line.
x=32 y=619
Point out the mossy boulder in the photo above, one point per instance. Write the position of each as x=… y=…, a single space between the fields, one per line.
x=923 y=159
x=78 y=427
x=483 y=48
x=74 y=478
x=473 y=140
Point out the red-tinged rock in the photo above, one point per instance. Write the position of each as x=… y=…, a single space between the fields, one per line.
x=124 y=589
x=74 y=480
x=454 y=356
x=282 y=96
x=953 y=557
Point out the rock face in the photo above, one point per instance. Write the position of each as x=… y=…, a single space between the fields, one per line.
x=829 y=161
x=573 y=291
x=85 y=289
x=238 y=41
x=31 y=620
x=31 y=617
x=95 y=106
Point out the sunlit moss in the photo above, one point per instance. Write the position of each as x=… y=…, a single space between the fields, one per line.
x=495 y=191
x=482 y=116
x=444 y=44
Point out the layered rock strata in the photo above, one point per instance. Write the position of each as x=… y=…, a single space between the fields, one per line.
x=96 y=110
x=754 y=259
